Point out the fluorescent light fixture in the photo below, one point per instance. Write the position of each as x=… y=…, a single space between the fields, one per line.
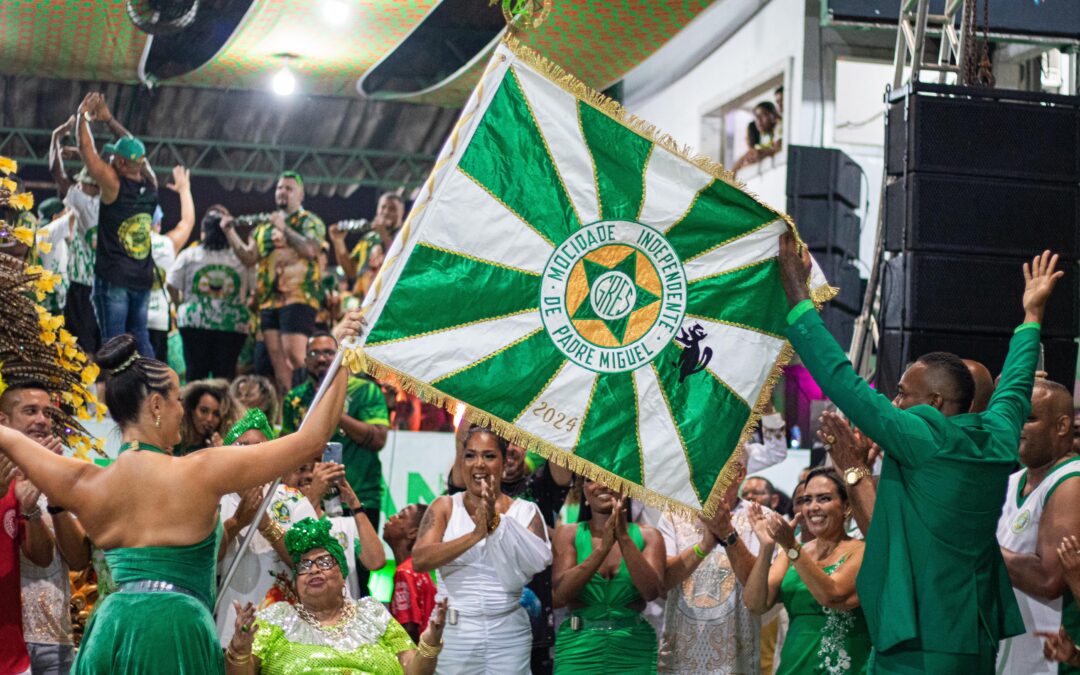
x=284 y=82
x=335 y=11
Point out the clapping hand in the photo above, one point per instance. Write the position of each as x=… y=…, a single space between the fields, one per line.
x=781 y=531
x=847 y=449
x=485 y=510
x=759 y=521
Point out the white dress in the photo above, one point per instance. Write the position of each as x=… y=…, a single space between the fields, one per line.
x=1018 y=531
x=492 y=635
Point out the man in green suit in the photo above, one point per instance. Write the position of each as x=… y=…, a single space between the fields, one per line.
x=933 y=585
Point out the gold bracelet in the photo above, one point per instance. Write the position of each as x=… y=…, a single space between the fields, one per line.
x=494 y=523
x=272 y=533
x=428 y=651
x=234 y=658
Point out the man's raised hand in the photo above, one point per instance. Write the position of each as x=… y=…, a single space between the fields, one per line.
x=1039 y=279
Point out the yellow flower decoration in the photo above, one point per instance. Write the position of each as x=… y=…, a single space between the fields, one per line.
x=8 y=185
x=90 y=373
x=3 y=385
x=24 y=235
x=8 y=165
x=24 y=201
x=44 y=246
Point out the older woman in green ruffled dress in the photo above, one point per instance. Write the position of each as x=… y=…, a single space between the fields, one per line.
x=327 y=632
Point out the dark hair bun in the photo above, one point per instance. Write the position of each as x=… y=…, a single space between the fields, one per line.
x=116 y=351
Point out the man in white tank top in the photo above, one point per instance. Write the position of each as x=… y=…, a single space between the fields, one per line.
x=1040 y=508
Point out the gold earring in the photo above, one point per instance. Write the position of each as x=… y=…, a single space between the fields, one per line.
x=157 y=421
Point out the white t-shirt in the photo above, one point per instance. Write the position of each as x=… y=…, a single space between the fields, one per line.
x=56 y=234
x=164 y=252
x=84 y=244
x=214 y=287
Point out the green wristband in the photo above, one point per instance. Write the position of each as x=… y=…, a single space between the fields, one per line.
x=699 y=553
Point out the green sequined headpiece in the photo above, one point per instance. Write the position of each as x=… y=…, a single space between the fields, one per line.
x=252 y=419
x=310 y=533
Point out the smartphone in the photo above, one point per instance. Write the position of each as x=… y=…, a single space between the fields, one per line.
x=332 y=499
x=332 y=453
x=1041 y=363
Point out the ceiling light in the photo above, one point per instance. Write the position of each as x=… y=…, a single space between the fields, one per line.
x=284 y=82
x=335 y=11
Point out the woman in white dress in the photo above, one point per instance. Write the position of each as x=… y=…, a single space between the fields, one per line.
x=485 y=547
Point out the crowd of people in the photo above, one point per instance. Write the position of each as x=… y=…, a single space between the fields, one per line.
x=942 y=536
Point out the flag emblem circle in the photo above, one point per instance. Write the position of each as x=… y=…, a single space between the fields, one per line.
x=613 y=295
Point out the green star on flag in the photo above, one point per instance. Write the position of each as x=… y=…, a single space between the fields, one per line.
x=586 y=289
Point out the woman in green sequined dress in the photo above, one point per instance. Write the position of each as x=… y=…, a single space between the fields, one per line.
x=605 y=570
x=156 y=515
x=327 y=632
x=816 y=582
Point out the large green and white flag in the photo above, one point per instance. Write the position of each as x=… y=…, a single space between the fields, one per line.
x=586 y=289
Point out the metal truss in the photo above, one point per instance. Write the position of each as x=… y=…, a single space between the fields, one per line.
x=250 y=161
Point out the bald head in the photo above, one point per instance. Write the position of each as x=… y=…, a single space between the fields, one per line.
x=1058 y=400
x=984 y=385
x=1047 y=434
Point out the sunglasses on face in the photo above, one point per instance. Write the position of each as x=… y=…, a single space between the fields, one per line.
x=323 y=562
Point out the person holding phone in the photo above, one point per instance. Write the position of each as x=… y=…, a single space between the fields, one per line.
x=361 y=431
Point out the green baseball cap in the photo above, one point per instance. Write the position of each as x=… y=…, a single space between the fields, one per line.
x=128 y=147
x=48 y=209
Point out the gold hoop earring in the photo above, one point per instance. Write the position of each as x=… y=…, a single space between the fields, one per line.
x=157 y=421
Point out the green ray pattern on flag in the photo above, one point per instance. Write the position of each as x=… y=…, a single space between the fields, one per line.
x=604 y=366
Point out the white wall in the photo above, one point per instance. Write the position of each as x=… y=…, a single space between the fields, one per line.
x=769 y=43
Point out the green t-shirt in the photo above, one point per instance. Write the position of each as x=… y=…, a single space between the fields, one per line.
x=364 y=401
x=285 y=277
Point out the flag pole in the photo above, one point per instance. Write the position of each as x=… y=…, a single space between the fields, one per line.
x=331 y=373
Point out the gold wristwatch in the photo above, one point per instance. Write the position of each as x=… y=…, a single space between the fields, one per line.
x=855 y=474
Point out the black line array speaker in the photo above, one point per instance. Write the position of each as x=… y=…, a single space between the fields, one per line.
x=898 y=348
x=824 y=188
x=979 y=181
x=984 y=133
x=969 y=294
x=973 y=214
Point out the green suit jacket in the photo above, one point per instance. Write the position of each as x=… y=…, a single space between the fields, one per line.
x=932 y=571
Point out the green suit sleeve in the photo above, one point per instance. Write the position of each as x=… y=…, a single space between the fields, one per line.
x=903 y=436
x=1011 y=402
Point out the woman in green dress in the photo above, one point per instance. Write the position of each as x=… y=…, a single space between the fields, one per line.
x=605 y=570
x=155 y=515
x=816 y=582
x=327 y=632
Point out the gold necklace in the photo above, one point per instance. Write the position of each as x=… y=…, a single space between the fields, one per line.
x=336 y=630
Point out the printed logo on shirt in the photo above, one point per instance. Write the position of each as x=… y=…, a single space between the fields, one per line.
x=10 y=526
x=217 y=282
x=134 y=236
x=91 y=238
x=1021 y=522
x=279 y=511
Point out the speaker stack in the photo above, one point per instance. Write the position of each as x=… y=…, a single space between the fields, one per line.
x=823 y=194
x=979 y=181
